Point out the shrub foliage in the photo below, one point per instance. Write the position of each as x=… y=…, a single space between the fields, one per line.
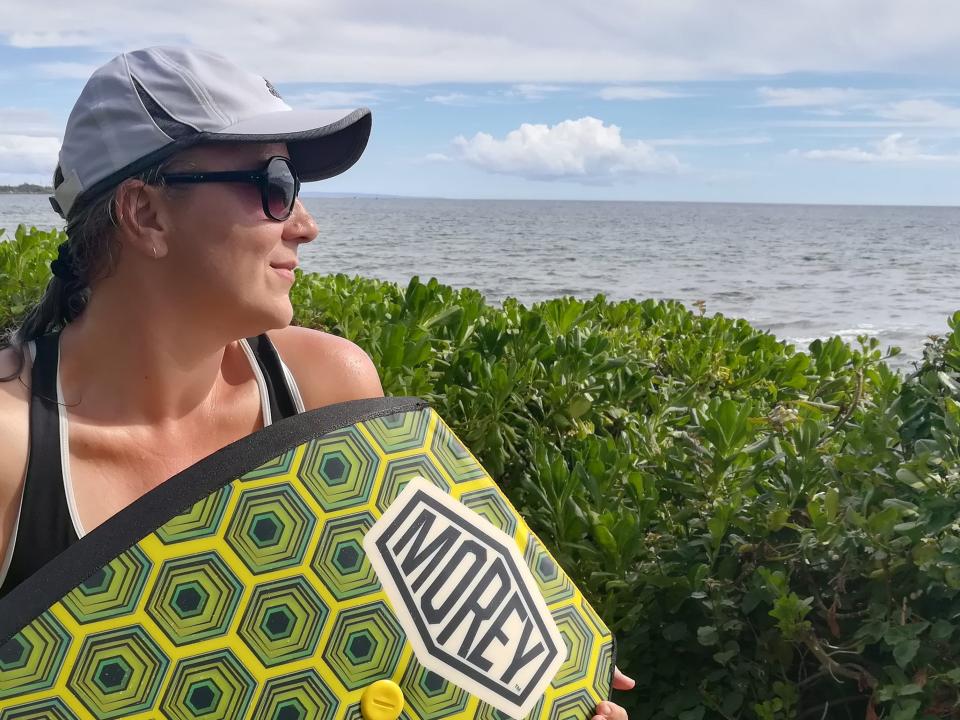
x=772 y=533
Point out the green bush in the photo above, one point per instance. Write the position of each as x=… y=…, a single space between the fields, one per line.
x=772 y=533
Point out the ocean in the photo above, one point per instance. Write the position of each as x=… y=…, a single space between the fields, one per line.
x=800 y=272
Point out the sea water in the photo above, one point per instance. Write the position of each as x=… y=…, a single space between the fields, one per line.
x=801 y=272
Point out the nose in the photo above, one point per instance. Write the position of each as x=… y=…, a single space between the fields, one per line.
x=300 y=227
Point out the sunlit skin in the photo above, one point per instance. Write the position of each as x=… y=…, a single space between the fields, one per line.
x=199 y=266
x=610 y=710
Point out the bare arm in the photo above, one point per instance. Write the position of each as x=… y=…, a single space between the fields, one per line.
x=14 y=440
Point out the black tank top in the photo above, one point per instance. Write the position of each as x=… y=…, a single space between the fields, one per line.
x=45 y=528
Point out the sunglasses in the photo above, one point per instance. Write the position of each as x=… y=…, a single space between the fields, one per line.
x=278 y=183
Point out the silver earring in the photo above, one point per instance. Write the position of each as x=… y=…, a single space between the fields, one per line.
x=154 y=251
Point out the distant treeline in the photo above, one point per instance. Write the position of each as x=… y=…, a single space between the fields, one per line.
x=25 y=188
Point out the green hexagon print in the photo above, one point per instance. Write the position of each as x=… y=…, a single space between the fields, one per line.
x=257 y=601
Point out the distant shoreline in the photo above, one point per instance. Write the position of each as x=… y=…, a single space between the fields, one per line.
x=28 y=189
x=25 y=189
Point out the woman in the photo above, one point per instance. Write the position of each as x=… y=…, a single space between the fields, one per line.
x=178 y=179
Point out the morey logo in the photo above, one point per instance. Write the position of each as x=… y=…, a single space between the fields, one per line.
x=469 y=605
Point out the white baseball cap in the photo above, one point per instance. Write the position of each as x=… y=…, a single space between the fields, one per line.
x=145 y=105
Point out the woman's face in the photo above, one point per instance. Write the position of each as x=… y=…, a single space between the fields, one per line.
x=233 y=265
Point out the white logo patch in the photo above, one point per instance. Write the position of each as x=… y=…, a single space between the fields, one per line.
x=465 y=598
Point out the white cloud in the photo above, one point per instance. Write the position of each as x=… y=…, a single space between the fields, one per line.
x=333 y=98
x=910 y=113
x=427 y=41
x=458 y=99
x=891 y=149
x=28 y=121
x=64 y=70
x=29 y=155
x=48 y=39
x=710 y=141
x=810 y=97
x=622 y=92
x=922 y=112
x=584 y=150
x=534 y=91
x=521 y=92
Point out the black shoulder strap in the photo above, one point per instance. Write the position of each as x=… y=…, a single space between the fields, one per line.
x=45 y=528
x=281 y=401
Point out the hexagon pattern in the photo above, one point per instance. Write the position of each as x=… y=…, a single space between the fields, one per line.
x=215 y=686
x=430 y=696
x=31 y=659
x=401 y=471
x=300 y=696
x=340 y=561
x=118 y=672
x=259 y=601
x=270 y=528
x=51 y=709
x=364 y=645
x=200 y=520
x=283 y=621
x=338 y=469
x=111 y=591
x=194 y=597
x=553 y=583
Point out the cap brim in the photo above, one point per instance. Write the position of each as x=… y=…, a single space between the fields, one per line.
x=322 y=143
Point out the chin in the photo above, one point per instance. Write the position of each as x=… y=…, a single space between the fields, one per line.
x=282 y=315
x=257 y=319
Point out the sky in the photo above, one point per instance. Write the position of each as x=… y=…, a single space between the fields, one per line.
x=811 y=101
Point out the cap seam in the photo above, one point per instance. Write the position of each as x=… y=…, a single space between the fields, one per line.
x=153 y=97
x=145 y=111
x=198 y=91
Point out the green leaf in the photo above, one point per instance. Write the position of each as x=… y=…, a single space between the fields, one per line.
x=717 y=526
x=579 y=406
x=707 y=635
x=831 y=503
x=605 y=538
x=777 y=519
x=941 y=630
x=905 y=651
x=905 y=710
x=726 y=656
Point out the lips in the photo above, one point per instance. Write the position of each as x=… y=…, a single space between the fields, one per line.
x=290 y=265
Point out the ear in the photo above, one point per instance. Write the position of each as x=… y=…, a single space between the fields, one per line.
x=142 y=216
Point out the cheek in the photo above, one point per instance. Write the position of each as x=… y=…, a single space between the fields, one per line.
x=219 y=203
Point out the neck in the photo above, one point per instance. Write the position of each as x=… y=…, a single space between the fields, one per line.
x=140 y=363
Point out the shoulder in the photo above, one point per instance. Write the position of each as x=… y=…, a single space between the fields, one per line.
x=329 y=369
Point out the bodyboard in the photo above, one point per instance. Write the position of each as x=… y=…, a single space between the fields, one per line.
x=285 y=575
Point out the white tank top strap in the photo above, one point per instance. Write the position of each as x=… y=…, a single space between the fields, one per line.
x=292 y=386
x=65 y=433
x=261 y=383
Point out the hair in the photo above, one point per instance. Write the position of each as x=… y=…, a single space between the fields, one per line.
x=92 y=241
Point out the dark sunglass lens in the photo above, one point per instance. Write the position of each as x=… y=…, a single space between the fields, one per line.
x=281 y=188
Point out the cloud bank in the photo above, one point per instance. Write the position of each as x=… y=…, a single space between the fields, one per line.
x=584 y=150
x=29 y=154
x=425 y=41
x=893 y=149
